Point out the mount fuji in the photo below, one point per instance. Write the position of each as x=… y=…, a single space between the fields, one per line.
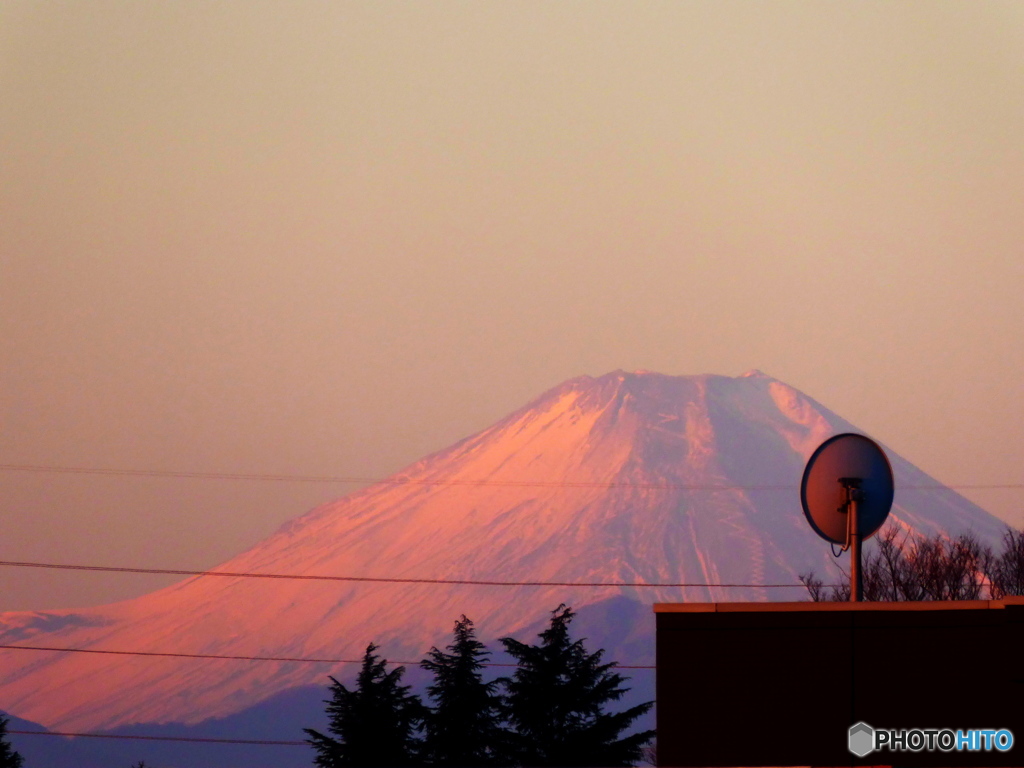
x=624 y=478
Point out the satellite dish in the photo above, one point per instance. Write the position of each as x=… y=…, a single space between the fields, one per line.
x=847 y=492
x=823 y=492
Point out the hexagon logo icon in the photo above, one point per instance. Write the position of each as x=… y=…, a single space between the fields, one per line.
x=862 y=739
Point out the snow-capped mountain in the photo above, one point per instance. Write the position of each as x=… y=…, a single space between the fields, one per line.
x=629 y=477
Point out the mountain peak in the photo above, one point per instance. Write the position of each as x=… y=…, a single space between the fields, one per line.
x=623 y=478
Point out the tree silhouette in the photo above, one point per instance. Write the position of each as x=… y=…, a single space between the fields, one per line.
x=556 y=701
x=906 y=568
x=373 y=725
x=463 y=727
x=1008 y=568
x=8 y=757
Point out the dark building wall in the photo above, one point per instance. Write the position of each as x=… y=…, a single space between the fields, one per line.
x=779 y=684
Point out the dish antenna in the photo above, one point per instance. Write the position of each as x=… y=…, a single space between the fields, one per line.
x=847 y=492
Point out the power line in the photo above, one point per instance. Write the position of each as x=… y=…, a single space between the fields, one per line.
x=375 y=579
x=248 y=658
x=170 y=654
x=192 y=475
x=348 y=479
x=188 y=739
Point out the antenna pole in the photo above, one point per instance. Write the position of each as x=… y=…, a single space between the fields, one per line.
x=856 y=575
x=854 y=495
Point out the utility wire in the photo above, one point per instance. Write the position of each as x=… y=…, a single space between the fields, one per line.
x=346 y=479
x=372 y=579
x=189 y=739
x=250 y=658
x=394 y=480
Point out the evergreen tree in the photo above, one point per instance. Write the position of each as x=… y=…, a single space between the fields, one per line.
x=373 y=725
x=556 y=703
x=463 y=727
x=8 y=757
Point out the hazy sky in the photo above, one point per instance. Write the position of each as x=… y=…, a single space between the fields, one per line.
x=328 y=238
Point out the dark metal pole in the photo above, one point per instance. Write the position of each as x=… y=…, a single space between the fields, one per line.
x=853 y=497
x=856 y=576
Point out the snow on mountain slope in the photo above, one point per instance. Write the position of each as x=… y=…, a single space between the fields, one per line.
x=618 y=478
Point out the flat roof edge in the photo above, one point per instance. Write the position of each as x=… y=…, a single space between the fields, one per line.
x=807 y=605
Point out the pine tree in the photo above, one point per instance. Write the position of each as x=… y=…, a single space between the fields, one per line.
x=373 y=725
x=463 y=727
x=556 y=703
x=8 y=757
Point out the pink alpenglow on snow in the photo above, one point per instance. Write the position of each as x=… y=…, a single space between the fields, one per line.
x=628 y=477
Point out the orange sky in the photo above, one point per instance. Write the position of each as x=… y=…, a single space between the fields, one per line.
x=328 y=238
